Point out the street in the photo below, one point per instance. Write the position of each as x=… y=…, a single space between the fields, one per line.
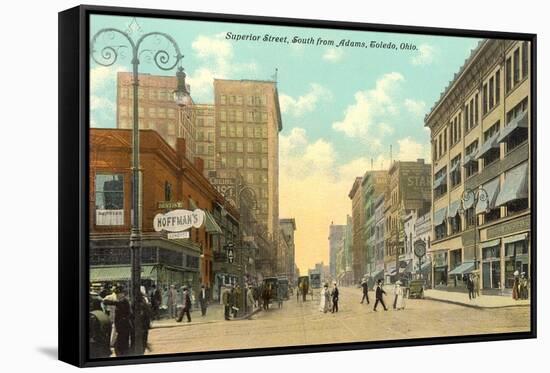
x=300 y=323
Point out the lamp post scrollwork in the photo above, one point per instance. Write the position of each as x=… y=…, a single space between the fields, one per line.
x=470 y=199
x=118 y=42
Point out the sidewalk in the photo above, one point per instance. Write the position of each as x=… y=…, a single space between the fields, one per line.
x=214 y=313
x=481 y=302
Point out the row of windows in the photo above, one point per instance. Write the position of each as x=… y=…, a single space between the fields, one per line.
x=152 y=112
x=515 y=71
x=150 y=93
x=205 y=135
x=232 y=130
x=205 y=150
x=238 y=116
x=238 y=100
x=512 y=141
x=238 y=146
x=202 y=121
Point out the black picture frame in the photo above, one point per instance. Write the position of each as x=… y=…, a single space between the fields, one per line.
x=74 y=186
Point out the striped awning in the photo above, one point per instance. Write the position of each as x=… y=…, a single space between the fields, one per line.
x=487 y=202
x=440 y=216
x=491 y=143
x=119 y=273
x=519 y=121
x=453 y=208
x=462 y=269
x=514 y=186
x=211 y=225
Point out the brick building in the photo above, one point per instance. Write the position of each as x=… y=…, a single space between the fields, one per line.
x=167 y=175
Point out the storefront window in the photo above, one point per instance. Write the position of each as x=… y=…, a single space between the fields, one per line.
x=491 y=267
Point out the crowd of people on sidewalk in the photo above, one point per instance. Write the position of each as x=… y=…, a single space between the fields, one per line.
x=520 y=287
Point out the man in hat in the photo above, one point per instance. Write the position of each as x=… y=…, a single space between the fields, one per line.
x=335 y=294
x=123 y=324
x=226 y=302
x=186 y=309
x=365 y=286
x=379 y=295
x=172 y=300
x=203 y=299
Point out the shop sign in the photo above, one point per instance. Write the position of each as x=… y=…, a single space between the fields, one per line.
x=170 y=204
x=109 y=217
x=178 y=235
x=178 y=220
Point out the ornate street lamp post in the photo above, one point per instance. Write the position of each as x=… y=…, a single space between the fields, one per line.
x=470 y=199
x=107 y=56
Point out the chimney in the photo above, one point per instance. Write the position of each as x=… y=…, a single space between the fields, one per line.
x=180 y=146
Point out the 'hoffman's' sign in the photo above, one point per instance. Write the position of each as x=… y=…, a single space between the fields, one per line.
x=178 y=220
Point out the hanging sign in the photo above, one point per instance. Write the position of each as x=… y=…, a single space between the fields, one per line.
x=178 y=220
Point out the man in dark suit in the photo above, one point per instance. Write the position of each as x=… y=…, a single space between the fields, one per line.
x=365 y=286
x=203 y=299
x=186 y=306
x=335 y=293
x=156 y=301
x=123 y=314
x=379 y=295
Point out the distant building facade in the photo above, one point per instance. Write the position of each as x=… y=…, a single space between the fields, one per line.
x=336 y=243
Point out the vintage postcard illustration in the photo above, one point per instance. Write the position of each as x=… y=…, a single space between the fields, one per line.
x=262 y=186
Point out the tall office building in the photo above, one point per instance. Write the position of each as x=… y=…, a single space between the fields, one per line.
x=248 y=122
x=156 y=109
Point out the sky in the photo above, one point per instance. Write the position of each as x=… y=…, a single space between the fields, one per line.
x=342 y=107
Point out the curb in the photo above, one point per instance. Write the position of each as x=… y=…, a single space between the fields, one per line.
x=475 y=306
x=183 y=323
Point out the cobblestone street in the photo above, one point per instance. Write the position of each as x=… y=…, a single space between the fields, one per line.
x=300 y=323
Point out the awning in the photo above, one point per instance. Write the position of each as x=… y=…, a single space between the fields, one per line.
x=491 y=243
x=453 y=209
x=514 y=186
x=441 y=180
x=118 y=273
x=211 y=225
x=491 y=143
x=462 y=269
x=469 y=199
x=439 y=216
x=376 y=274
x=472 y=157
x=426 y=267
x=515 y=238
x=492 y=189
x=519 y=121
x=454 y=167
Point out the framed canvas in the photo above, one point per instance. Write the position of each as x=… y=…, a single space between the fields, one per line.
x=235 y=186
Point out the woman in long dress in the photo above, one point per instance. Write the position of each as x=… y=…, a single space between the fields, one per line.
x=323 y=304
x=515 y=286
x=400 y=303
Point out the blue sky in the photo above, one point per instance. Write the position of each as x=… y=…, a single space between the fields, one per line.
x=341 y=106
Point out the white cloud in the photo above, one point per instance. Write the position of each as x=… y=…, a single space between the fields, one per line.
x=410 y=150
x=217 y=61
x=416 y=107
x=100 y=76
x=306 y=103
x=425 y=56
x=101 y=103
x=367 y=118
x=333 y=54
